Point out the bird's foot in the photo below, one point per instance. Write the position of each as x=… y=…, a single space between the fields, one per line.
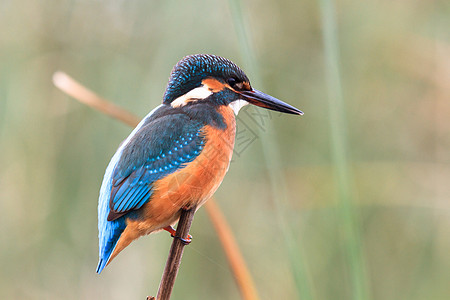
x=173 y=232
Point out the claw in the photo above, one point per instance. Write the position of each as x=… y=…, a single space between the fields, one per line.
x=186 y=241
x=173 y=232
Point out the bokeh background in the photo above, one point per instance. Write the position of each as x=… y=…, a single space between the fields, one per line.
x=350 y=201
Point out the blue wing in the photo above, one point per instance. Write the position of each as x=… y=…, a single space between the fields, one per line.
x=161 y=144
x=158 y=149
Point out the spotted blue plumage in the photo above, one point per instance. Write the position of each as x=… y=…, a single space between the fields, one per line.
x=164 y=142
x=133 y=175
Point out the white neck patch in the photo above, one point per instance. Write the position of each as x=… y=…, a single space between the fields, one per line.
x=199 y=93
x=237 y=105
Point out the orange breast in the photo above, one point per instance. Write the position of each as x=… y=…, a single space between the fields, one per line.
x=194 y=184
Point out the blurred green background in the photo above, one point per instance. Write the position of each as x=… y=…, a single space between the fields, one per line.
x=350 y=201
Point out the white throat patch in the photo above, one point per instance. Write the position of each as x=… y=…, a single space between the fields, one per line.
x=199 y=93
x=237 y=105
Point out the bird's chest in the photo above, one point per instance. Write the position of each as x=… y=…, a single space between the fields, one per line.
x=218 y=151
x=197 y=182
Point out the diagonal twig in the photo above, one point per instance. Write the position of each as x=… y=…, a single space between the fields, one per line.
x=175 y=254
x=73 y=88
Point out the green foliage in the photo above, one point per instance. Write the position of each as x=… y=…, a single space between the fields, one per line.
x=385 y=236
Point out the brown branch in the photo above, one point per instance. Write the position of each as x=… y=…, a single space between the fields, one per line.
x=224 y=233
x=175 y=254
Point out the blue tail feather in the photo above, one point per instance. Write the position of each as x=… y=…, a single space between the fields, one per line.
x=109 y=238
x=108 y=231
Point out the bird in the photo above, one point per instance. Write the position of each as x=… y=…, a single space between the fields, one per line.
x=179 y=153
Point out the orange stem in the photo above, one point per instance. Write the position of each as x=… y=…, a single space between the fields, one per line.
x=234 y=255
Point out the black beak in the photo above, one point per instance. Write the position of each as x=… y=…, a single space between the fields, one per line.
x=261 y=99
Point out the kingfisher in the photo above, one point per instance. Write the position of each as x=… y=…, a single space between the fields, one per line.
x=178 y=155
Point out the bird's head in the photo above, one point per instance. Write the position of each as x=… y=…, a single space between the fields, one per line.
x=209 y=79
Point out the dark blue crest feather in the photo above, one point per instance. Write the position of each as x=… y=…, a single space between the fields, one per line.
x=189 y=72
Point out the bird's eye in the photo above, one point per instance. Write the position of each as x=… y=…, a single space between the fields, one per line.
x=235 y=83
x=231 y=81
